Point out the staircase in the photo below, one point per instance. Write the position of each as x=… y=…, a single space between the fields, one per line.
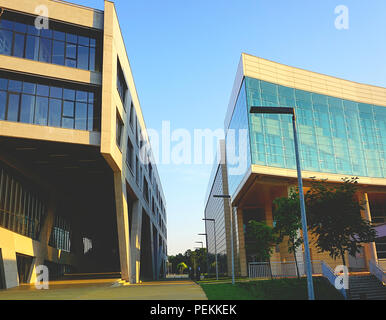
x=366 y=287
x=91 y=276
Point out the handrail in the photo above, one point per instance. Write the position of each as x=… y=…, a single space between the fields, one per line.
x=331 y=277
x=377 y=271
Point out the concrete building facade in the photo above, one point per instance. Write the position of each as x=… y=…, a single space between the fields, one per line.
x=342 y=133
x=78 y=189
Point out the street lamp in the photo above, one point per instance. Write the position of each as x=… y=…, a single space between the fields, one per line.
x=207 y=253
x=202 y=244
x=215 y=243
x=226 y=196
x=291 y=111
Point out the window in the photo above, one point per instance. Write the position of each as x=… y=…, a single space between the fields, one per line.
x=49 y=105
x=57 y=45
x=145 y=189
x=121 y=84
x=130 y=154
x=119 y=131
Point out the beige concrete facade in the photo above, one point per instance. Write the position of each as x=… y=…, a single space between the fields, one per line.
x=130 y=203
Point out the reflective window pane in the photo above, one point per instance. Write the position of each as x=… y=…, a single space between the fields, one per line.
x=81 y=96
x=27 y=108
x=41 y=111
x=13 y=107
x=68 y=123
x=45 y=50
x=19 y=27
x=5 y=42
x=18 y=45
x=68 y=109
x=56 y=92
x=58 y=53
x=58 y=35
x=32 y=48
x=69 y=94
x=3 y=84
x=55 y=113
x=43 y=90
x=14 y=85
x=3 y=104
x=29 y=87
x=81 y=116
x=83 y=57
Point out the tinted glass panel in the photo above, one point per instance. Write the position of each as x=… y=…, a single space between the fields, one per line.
x=68 y=109
x=81 y=116
x=83 y=58
x=3 y=103
x=27 y=108
x=5 y=42
x=55 y=113
x=13 y=107
x=41 y=112
x=18 y=49
x=45 y=50
x=32 y=48
x=58 y=53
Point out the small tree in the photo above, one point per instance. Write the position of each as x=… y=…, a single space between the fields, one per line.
x=334 y=218
x=181 y=267
x=259 y=239
x=288 y=222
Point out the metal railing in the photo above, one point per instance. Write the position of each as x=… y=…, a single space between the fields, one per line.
x=330 y=275
x=377 y=271
x=276 y=269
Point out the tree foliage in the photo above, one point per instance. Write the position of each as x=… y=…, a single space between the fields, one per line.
x=260 y=239
x=288 y=222
x=334 y=218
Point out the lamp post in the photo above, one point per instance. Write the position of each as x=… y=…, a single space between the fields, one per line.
x=291 y=111
x=215 y=243
x=226 y=196
x=207 y=255
x=202 y=244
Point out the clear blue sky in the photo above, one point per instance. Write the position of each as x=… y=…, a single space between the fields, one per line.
x=184 y=56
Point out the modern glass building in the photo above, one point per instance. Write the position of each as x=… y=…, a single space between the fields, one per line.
x=78 y=189
x=342 y=133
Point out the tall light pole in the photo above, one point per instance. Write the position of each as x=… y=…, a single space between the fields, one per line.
x=226 y=196
x=291 y=111
x=202 y=244
x=207 y=255
x=215 y=242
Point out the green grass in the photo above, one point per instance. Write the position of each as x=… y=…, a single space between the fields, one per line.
x=278 y=289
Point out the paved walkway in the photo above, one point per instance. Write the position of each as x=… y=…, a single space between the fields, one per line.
x=108 y=289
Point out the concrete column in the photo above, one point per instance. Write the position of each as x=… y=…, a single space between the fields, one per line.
x=153 y=248
x=10 y=266
x=122 y=225
x=369 y=248
x=44 y=238
x=242 y=251
x=135 y=240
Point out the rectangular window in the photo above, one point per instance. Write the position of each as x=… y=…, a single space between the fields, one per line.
x=13 y=107
x=55 y=115
x=41 y=112
x=119 y=131
x=51 y=45
x=27 y=108
x=121 y=84
x=130 y=154
x=42 y=104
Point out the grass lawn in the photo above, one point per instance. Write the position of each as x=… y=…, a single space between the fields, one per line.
x=278 y=289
